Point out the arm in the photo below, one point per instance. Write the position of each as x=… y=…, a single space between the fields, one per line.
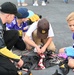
x=28 y=40
x=32 y=43
x=3 y=50
x=28 y=36
x=49 y=39
x=43 y=49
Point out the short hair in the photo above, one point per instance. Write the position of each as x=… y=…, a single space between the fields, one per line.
x=70 y=17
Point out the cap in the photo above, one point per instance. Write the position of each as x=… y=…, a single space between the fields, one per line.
x=10 y=8
x=31 y=13
x=24 y=12
x=42 y=28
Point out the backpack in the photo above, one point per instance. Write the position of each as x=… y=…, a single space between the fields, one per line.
x=32 y=59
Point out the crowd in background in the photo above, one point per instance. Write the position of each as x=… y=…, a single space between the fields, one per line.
x=35 y=2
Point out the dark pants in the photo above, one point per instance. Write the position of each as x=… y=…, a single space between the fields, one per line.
x=20 y=44
x=11 y=38
x=7 y=67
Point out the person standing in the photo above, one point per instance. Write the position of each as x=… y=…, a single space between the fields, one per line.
x=21 y=2
x=36 y=3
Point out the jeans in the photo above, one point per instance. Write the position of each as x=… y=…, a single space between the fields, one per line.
x=22 y=1
x=65 y=0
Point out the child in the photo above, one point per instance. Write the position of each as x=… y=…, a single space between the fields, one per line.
x=21 y=2
x=21 y=26
x=69 y=50
x=36 y=3
x=40 y=33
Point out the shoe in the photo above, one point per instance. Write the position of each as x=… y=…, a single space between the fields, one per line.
x=43 y=3
x=24 y=4
x=35 y=3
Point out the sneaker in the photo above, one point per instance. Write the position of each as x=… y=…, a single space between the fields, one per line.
x=43 y=3
x=24 y=4
x=35 y=3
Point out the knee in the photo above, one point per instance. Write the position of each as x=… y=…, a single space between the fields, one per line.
x=53 y=48
x=28 y=47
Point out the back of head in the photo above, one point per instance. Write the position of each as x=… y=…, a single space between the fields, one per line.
x=9 y=8
x=24 y=12
x=70 y=17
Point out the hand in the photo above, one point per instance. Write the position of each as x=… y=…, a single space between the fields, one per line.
x=38 y=50
x=43 y=50
x=20 y=63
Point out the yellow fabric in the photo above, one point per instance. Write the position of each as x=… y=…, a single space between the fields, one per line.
x=34 y=18
x=62 y=66
x=5 y=52
x=20 y=32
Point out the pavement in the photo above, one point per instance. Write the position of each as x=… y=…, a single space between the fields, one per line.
x=56 y=12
